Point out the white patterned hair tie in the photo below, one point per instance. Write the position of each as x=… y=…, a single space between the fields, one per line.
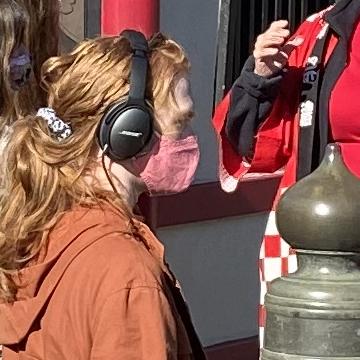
x=57 y=127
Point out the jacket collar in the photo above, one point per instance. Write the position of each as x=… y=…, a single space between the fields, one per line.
x=343 y=16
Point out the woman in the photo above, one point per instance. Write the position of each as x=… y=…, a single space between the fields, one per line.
x=80 y=276
x=292 y=99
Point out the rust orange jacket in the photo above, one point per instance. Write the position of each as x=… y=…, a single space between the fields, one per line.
x=98 y=293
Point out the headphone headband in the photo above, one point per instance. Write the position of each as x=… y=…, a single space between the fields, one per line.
x=139 y=65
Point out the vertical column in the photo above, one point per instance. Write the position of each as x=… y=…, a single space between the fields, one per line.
x=141 y=15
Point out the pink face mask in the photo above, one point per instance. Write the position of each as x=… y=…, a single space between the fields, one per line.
x=170 y=165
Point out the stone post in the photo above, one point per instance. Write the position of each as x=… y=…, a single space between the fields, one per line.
x=315 y=312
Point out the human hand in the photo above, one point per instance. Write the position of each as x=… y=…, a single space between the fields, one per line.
x=271 y=51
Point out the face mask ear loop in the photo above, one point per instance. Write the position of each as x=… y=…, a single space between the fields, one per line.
x=103 y=154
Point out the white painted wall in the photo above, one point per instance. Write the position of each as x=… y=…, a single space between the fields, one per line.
x=217 y=265
x=193 y=23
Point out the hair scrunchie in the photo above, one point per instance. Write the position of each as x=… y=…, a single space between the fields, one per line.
x=57 y=127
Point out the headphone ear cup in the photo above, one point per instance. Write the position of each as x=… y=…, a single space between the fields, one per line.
x=126 y=129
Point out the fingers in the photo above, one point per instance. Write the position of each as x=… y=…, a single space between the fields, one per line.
x=279 y=28
x=271 y=50
x=288 y=48
x=279 y=24
x=265 y=52
x=270 y=41
x=279 y=56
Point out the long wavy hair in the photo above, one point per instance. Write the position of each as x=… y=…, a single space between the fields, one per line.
x=43 y=177
x=43 y=36
x=33 y=24
x=14 y=22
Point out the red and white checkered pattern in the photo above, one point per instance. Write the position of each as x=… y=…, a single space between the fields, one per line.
x=276 y=259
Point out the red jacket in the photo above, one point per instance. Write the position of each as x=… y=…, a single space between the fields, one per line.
x=277 y=137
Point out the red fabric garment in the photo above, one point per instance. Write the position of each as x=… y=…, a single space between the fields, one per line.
x=276 y=147
x=277 y=138
x=345 y=108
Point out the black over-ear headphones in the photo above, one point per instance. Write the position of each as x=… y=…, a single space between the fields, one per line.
x=127 y=126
